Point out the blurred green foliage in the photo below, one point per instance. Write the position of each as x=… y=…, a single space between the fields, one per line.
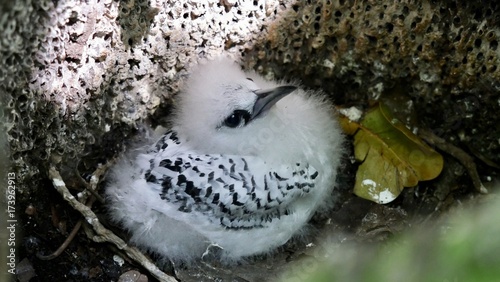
x=465 y=247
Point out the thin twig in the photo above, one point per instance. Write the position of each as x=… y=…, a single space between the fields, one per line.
x=91 y=188
x=68 y=240
x=459 y=154
x=64 y=245
x=103 y=234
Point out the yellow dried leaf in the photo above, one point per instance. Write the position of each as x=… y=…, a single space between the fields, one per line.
x=393 y=157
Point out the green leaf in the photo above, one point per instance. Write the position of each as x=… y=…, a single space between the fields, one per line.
x=393 y=157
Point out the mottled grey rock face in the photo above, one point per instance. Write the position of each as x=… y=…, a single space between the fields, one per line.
x=82 y=74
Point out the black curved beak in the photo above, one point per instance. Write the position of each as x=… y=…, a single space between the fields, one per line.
x=267 y=98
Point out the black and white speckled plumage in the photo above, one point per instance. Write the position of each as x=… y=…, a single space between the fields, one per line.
x=241 y=167
x=222 y=187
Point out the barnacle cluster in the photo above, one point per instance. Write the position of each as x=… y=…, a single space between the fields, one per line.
x=443 y=54
x=438 y=43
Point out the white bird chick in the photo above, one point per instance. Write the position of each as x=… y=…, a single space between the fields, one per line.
x=244 y=167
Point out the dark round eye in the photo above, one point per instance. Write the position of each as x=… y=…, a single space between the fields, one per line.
x=234 y=120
